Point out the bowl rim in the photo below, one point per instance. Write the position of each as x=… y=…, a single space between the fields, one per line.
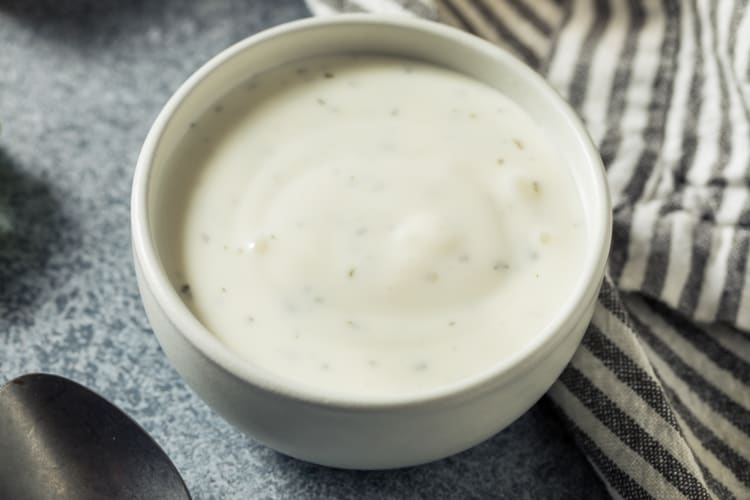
x=167 y=298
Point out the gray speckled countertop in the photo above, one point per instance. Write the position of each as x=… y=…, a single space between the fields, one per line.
x=80 y=83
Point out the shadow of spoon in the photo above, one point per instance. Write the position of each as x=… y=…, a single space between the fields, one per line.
x=60 y=440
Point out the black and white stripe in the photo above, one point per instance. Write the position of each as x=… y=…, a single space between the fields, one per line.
x=658 y=402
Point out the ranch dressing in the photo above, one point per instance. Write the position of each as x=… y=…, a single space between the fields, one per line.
x=373 y=225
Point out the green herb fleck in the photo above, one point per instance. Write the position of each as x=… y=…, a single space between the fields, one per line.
x=501 y=266
x=328 y=75
x=352 y=271
x=518 y=143
x=500 y=161
x=186 y=292
x=535 y=187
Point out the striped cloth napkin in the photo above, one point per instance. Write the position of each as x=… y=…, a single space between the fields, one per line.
x=658 y=394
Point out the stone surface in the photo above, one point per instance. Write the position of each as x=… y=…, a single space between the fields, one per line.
x=80 y=83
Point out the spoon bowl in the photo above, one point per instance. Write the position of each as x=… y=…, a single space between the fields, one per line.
x=61 y=440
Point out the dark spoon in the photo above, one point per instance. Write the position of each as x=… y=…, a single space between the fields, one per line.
x=61 y=441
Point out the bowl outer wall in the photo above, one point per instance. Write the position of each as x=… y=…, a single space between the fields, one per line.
x=451 y=420
x=358 y=438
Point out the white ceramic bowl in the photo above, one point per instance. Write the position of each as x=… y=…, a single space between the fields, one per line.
x=360 y=432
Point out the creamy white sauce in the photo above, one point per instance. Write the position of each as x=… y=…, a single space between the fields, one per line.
x=373 y=225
